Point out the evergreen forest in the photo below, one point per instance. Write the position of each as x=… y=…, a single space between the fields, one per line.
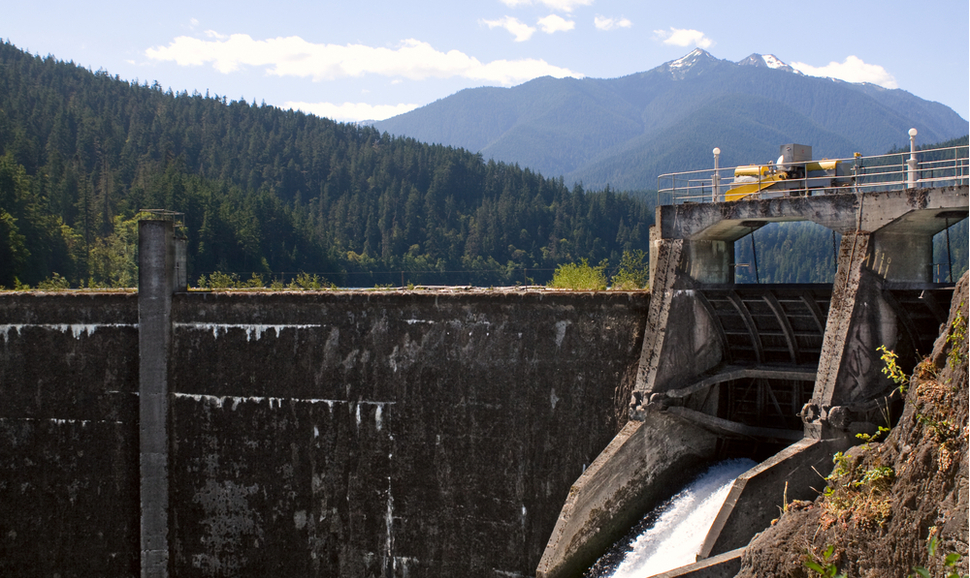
x=269 y=192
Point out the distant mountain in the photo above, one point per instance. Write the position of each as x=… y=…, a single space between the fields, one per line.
x=625 y=131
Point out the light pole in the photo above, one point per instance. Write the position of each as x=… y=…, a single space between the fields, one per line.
x=717 y=177
x=911 y=163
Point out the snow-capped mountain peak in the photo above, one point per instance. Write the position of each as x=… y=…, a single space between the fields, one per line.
x=692 y=62
x=692 y=57
x=767 y=61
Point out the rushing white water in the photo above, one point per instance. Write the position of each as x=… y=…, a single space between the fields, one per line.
x=679 y=531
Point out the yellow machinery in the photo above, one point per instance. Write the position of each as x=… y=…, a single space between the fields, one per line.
x=795 y=173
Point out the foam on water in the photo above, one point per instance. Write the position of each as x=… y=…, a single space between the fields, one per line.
x=679 y=531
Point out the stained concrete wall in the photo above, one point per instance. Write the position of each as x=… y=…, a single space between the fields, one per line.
x=69 y=501
x=311 y=434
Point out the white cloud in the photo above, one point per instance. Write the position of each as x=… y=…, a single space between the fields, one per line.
x=561 y=5
x=684 y=37
x=555 y=23
x=852 y=70
x=351 y=111
x=508 y=72
x=604 y=23
x=520 y=30
x=293 y=56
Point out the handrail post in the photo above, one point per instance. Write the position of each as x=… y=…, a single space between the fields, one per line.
x=717 y=176
x=911 y=163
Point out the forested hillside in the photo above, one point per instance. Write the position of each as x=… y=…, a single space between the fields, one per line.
x=269 y=191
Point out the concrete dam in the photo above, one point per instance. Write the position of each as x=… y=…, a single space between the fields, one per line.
x=447 y=433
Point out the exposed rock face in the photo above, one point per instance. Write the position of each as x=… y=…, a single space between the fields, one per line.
x=884 y=501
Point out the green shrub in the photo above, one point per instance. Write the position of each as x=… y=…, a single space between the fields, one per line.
x=306 y=282
x=579 y=276
x=634 y=271
x=54 y=283
x=220 y=280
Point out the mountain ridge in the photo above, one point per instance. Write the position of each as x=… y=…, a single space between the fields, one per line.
x=571 y=126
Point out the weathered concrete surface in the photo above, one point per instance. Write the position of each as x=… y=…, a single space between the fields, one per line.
x=156 y=280
x=886 y=239
x=358 y=434
x=857 y=325
x=644 y=464
x=918 y=210
x=673 y=354
x=860 y=321
x=69 y=435
x=665 y=262
x=721 y=566
x=311 y=434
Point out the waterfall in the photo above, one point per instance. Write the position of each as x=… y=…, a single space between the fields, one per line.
x=671 y=535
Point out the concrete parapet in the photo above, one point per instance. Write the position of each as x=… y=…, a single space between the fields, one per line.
x=914 y=209
x=759 y=494
x=903 y=222
x=725 y=565
x=643 y=465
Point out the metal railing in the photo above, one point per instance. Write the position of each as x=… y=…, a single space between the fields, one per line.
x=942 y=167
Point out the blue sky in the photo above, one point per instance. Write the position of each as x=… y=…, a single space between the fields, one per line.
x=371 y=60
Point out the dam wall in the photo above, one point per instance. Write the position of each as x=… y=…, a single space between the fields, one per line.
x=396 y=433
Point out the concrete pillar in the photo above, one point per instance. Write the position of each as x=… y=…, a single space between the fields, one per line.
x=655 y=243
x=180 y=278
x=710 y=261
x=156 y=279
x=901 y=257
x=673 y=352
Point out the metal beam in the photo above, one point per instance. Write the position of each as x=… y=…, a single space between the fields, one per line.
x=742 y=310
x=786 y=328
x=728 y=428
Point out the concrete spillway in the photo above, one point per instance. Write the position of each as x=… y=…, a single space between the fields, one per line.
x=672 y=535
x=785 y=374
